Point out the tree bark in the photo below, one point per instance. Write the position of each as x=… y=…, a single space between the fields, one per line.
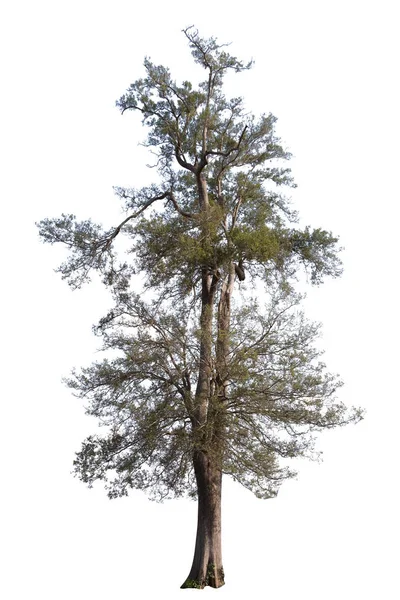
x=207 y=569
x=207 y=566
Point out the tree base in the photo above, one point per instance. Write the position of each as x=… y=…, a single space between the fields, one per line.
x=214 y=578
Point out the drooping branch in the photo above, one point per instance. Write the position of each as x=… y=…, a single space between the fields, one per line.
x=90 y=246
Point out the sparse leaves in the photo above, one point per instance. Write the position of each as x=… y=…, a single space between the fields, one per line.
x=279 y=395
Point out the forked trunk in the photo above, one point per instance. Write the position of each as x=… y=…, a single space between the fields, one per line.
x=207 y=562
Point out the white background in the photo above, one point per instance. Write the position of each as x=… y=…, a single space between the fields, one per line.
x=329 y=71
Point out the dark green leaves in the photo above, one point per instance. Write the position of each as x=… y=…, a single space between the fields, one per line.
x=317 y=250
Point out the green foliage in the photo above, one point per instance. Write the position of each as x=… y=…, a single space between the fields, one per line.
x=279 y=395
x=219 y=207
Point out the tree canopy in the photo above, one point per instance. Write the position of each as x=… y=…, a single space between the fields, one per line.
x=190 y=367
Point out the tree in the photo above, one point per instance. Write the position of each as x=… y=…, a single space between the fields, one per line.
x=200 y=382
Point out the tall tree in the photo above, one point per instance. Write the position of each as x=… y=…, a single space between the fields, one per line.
x=203 y=383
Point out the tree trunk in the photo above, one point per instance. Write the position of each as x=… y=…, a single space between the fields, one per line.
x=207 y=562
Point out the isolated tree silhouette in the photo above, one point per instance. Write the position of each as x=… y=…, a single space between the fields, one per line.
x=203 y=383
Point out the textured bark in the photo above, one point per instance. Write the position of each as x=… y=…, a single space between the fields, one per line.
x=207 y=566
x=207 y=569
x=203 y=192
